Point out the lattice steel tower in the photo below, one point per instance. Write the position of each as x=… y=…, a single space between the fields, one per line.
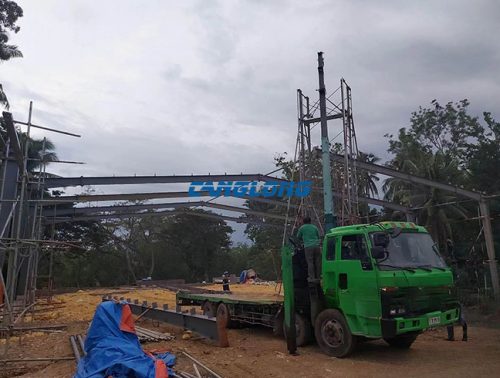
x=344 y=175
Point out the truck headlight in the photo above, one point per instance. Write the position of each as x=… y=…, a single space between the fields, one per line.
x=397 y=310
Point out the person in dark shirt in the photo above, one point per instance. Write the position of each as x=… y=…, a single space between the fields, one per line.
x=309 y=235
x=462 y=322
x=225 y=281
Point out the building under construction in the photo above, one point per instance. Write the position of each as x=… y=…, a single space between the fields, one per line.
x=29 y=215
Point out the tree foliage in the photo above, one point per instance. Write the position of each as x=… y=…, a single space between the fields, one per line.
x=447 y=144
x=183 y=246
x=10 y=12
x=441 y=143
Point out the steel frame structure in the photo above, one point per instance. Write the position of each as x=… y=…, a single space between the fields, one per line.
x=344 y=182
x=20 y=220
x=23 y=207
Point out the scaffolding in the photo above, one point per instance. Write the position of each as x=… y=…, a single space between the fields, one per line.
x=349 y=183
x=345 y=175
x=21 y=197
x=25 y=208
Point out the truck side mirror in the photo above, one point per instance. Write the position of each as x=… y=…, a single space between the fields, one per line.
x=378 y=252
x=396 y=231
x=380 y=239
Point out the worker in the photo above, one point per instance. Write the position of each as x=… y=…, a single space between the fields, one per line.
x=462 y=322
x=308 y=234
x=225 y=281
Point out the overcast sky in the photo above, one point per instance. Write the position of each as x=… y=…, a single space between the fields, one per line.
x=209 y=86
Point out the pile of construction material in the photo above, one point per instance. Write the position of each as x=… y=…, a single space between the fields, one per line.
x=77 y=344
x=147 y=335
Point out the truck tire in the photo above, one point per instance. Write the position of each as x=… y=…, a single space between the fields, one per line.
x=402 y=341
x=333 y=334
x=303 y=330
x=278 y=325
x=209 y=309
x=223 y=315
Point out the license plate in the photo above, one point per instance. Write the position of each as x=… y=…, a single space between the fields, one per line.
x=435 y=320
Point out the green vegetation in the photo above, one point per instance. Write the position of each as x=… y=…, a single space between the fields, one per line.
x=9 y=14
x=447 y=144
x=442 y=143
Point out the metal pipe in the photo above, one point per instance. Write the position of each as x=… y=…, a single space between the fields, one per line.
x=346 y=183
x=25 y=310
x=82 y=344
x=31 y=328
x=7 y=302
x=75 y=349
x=4 y=173
x=40 y=359
x=47 y=128
x=302 y=162
x=202 y=365
x=185 y=374
x=12 y=277
x=196 y=371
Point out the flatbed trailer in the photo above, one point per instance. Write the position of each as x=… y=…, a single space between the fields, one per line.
x=237 y=308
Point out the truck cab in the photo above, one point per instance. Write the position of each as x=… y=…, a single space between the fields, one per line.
x=384 y=280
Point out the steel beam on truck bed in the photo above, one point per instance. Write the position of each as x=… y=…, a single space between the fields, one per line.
x=201 y=324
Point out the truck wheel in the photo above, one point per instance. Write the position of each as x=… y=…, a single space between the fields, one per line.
x=333 y=334
x=303 y=330
x=402 y=341
x=278 y=325
x=209 y=309
x=223 y=315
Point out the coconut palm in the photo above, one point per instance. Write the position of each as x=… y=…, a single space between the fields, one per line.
x=367 y=181
x=40 y=152
x=435 y=208
x=7 y=52
x=9 y=14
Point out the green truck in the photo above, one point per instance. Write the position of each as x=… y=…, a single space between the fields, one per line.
x=384 y=280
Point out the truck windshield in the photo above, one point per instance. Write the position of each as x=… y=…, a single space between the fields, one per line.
x=412 y=250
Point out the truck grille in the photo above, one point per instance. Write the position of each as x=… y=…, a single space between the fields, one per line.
x=418 y=300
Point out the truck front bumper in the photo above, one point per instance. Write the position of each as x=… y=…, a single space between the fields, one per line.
x=397 y=326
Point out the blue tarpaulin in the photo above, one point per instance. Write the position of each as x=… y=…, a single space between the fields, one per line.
x=113 y=349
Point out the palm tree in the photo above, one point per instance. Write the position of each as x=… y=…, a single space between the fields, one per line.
x=6 y=53
x=3 y=98
x=435 y=208
x=9 y=14
x=367 y=181
x=40 y=152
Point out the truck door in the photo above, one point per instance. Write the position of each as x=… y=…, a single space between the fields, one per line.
x=357 y=285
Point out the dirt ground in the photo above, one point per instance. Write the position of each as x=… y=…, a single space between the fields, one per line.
x=255 y=351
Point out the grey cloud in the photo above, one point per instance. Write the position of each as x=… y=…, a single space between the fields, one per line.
x=205 y=86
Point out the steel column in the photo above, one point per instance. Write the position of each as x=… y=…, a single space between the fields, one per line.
x=330 y=220
x=490 y=248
